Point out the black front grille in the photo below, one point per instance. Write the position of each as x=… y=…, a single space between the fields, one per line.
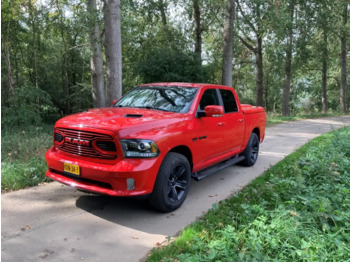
x=78 y=142
x=107 y=146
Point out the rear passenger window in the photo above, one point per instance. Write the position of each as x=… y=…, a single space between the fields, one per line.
x=229 y=100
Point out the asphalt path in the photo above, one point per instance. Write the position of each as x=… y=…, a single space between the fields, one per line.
x=53 y=222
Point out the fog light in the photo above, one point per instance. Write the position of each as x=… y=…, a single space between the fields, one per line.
x=130 y=183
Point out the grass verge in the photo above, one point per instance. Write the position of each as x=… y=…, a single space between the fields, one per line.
x=299 y=210
x=22 y=157
x=274 y=119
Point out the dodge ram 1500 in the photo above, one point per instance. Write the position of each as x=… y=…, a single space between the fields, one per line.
x=155 y=140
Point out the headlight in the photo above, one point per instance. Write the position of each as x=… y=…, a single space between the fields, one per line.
x=139 y=148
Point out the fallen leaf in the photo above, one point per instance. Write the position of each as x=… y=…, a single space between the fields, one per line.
x=293 y=213
x=25 y=228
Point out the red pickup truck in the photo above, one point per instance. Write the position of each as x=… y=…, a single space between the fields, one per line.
x=154 y=140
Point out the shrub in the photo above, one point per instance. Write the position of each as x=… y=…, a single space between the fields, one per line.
x=27 y=107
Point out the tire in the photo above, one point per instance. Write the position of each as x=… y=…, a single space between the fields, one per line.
x=172 y=183
x=251 y=152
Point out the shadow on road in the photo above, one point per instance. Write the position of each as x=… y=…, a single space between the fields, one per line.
x=129 y=212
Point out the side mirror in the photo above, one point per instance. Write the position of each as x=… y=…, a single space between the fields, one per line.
x=114 y=101
x=213 y=111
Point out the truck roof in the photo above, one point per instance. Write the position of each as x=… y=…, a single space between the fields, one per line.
x=197 y=85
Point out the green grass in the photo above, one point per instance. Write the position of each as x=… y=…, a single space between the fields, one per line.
x=274 y=119
x=299 y=210
x=22 y=156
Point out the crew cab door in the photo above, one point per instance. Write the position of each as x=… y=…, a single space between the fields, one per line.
x=208 y=132
x=233 y=121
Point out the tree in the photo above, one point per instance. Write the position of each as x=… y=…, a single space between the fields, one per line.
x=162 y=9
x=96 y=64
x=198 y=29
x=113 y=50
x=8 y=20
x=228 y=44
x=253 y=23
x=343 y=74
x=288 y=62
x=169 y=65
x=325 y=31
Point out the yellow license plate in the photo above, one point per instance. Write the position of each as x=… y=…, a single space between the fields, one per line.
x=73 y=169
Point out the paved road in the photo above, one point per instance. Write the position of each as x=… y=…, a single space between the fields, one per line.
x=53 y=222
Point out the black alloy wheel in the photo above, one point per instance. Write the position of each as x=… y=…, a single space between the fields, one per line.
x=177 y=183
x=251 y=152
x=172 y=183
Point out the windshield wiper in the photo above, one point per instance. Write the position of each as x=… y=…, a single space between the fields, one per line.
x=155 y=108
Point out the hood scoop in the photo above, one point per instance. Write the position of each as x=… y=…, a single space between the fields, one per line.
x=133 y=115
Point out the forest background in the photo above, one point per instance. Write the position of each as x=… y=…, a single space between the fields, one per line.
x=60 y=57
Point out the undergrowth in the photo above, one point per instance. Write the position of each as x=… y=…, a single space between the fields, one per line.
x=22 y=156
x=299 y=210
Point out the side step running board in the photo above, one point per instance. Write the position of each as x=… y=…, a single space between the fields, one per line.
x=217 y=167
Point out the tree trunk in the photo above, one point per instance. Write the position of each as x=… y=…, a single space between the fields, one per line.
x=266 y=91
x=161 y=6
x=9 y=70
x=198 y=30
x=64 y=64
x=288 y=65
x=257 y=50
x=96 y=62
x=259 y=73
x=113 y=50
x=228 y=44
x=343 y=76
x=324 y=72
x=34 y=30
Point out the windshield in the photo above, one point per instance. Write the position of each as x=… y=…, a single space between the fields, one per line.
x=166 y=98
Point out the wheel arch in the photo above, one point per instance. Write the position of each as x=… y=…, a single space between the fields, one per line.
x=257 y=132
x=185 y=151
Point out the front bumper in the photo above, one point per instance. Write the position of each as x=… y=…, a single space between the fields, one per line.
x=109 y=179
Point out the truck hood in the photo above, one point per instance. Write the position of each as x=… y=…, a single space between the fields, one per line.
x=126 y=122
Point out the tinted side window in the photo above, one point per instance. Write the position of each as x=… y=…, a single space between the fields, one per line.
x=229 y=100
x=209 y=98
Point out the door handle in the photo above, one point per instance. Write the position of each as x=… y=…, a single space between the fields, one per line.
x=221 y=124
x=240 y=120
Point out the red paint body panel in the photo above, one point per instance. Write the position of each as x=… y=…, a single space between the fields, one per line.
x=208 y=139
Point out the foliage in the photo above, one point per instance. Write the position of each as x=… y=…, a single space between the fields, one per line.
x=46 y=45
x=19 y=175
x=22 y=156
x=167 y=65
x=297 y=211
x=27 y=107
